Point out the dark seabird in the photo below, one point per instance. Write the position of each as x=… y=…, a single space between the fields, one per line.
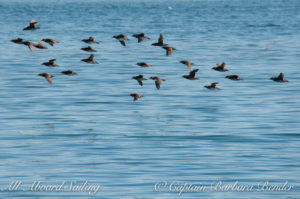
x=220 y=67
x=169 y=50
x=90 y=40
x=280 y=78
x=187 y=63
x=212 y=86
x=47 y=77
x=143 y=64
x=68 y=72
x=50 y=41
x=50 y=63
x=17 y=40
x=234 y=77
x=90 y=59
x=160 y=41
x=191 y=75
x=40 y=45
x=121 y=38
x=89 y=49
x=158 y=81
x=31 y=25
x=29 y=44
x=140 y=79
x=136 y=96
x=140 y=37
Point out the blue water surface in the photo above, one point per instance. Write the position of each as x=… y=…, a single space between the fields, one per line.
x=87 y=128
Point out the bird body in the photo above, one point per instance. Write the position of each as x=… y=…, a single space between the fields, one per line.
x=280 y=78
x=220 y=67
x=158 y=81
x=140 y=37
x=90 y=60
x=212 y=86
x=17 y=40
x=31 y=25
x=169 y=50
x=47 y=76
x=89 y=49
x=191 y=75
x=50 y=63
x=140 y=79
x=121 y=38
x=187 y=63
x=143 y=64
x=40 y=45
x=136 y=96
x=160 y=41
x=68 y=72
x=29 y=44
x=234 y=77
x=90 y=40
x=50 y=41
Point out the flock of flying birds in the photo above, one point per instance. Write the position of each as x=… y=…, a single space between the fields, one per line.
x=122 y=38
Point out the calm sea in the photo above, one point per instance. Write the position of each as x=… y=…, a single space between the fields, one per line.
x=86 y=131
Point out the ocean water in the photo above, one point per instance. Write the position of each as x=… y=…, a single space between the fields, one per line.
x=86 y=128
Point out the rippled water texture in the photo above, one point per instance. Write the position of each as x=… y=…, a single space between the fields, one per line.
x=87 y=128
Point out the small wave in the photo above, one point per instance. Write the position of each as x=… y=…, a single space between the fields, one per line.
x=264 y=25
x=271 y=25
